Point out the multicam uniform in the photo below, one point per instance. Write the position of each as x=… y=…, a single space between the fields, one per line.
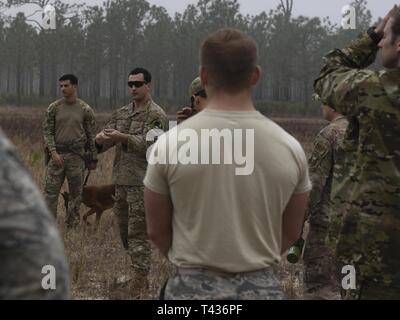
x=70 y=129
x=29 y=239
x=367 y=185
x=318 y=259
x=129 y=168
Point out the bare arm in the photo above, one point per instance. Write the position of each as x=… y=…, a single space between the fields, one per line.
x=293 y=218
x=158 y=219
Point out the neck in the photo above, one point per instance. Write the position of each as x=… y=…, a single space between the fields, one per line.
x=241 y=101
x=140 y=103
x=71 y=99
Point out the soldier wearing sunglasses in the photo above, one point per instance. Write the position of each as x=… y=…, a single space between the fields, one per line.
x=127 y=131
x=198 y=99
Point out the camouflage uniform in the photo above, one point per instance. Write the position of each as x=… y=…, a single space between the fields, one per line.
x=318 y=259
x=195 y=86
x=367 y=185
x=129 y=168
x=73 y=154
x=29 y=239
x=199 y=284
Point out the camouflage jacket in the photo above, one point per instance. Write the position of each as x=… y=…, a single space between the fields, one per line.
x=85 y=143
x=29 y=239
x=130 y=162
x=328 y=146
x=367 y=186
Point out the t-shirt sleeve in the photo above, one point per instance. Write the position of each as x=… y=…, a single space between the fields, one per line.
x=304 y=183
x=156 y=178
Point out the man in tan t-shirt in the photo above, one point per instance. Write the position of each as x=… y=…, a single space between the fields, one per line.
x=69 y=130
x=226 y=190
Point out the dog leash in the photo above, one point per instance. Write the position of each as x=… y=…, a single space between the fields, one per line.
x=87 y=177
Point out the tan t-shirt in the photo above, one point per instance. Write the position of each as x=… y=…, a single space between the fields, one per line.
x=228 y=216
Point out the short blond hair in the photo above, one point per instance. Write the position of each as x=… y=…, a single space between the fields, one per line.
x=229 y=56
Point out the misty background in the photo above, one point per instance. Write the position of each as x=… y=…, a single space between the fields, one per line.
x=101 y=41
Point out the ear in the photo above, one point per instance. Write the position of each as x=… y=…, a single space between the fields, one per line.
x=256 y=75
x=203 y=76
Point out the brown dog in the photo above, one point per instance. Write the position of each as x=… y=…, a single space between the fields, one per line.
x=97 y=198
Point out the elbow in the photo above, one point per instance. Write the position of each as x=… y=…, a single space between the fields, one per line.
x=151 y=235
x=294 y=237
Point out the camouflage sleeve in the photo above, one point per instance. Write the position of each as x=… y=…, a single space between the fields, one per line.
x=112 y=124
x=89 y=124
x=320 y=163
x=156 y=123
x=29 y=238
x=343 y=81
x=49 y=128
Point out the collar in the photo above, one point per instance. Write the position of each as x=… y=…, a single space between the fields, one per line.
x=143 y=108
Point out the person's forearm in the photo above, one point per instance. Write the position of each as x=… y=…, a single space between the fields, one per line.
x=162 y=242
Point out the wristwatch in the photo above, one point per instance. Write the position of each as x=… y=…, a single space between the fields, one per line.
x=376 y=38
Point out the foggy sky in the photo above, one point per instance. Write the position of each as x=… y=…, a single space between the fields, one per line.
x=310 y=8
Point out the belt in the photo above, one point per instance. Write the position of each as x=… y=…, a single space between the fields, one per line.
x=194 y=271
x=66 y=149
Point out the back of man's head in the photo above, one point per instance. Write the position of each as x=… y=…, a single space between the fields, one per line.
x=229 y=57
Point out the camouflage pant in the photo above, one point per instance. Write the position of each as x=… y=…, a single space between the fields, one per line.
x=73 y=169
x=319 y=271
x=129 y=210
x=200 y=284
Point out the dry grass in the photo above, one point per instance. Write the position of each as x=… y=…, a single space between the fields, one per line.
x=97 y=260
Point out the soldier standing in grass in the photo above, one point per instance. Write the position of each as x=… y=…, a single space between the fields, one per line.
x=366 y=234
x=320 y=281
x=127 y=131
x=225 y=231
x=198 y=99
x=69 y=130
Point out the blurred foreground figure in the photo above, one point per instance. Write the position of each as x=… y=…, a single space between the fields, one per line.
x=30 y=245
x=366 y=188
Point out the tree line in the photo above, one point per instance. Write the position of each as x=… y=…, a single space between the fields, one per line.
x=101 y=44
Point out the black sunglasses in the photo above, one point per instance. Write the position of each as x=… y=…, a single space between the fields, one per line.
x=137 y=84
x=201 y=93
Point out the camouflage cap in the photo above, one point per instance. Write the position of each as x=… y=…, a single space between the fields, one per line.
x=195 y=86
